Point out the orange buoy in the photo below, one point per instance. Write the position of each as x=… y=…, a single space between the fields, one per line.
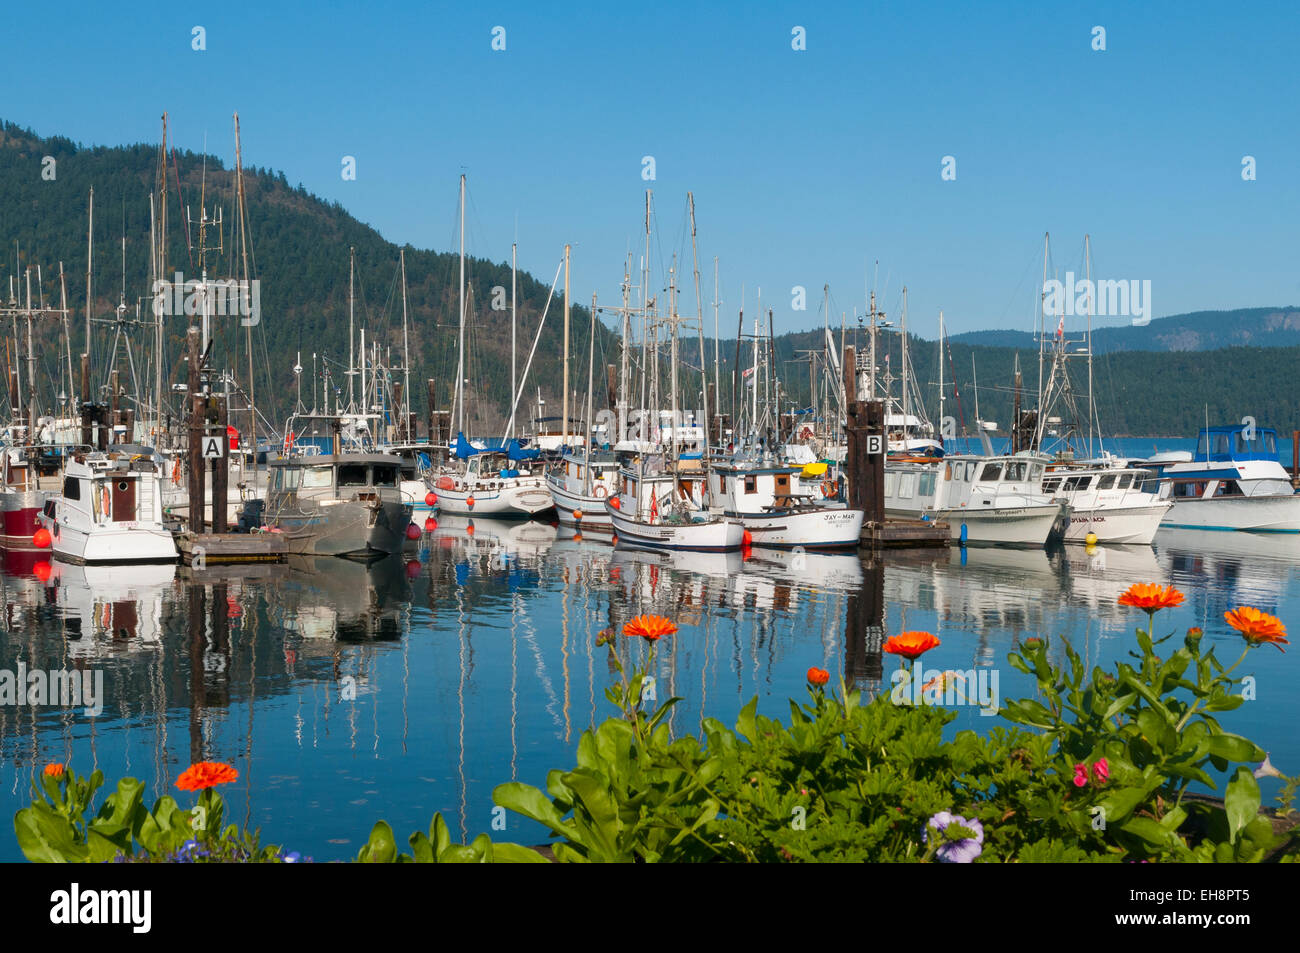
x=613 y=501
x=41 y=539
x=430 y=525
x=747 y=539
x=577 y=515
x=469 y=501
x=431 y=499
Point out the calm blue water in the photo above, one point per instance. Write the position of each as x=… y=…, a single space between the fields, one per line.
x=344 y=693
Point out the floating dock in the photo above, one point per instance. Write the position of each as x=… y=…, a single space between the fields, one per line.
x=896 y=534
x=201 y=549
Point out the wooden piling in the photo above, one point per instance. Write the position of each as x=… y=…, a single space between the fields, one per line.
x=221 y=470
x=197 y=427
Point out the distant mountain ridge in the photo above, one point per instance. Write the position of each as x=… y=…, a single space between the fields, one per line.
x=1195 y=331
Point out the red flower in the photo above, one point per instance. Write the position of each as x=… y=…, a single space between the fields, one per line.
x=1258 y=627
x=206 y=774
x=1101 y=771
x=818 y=676
x=649 y=627
x=1149 y=596
x=910 y=645
x=1080 y=775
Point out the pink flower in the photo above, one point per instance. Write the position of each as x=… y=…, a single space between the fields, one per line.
x=1101 y=771
x=1080 y=775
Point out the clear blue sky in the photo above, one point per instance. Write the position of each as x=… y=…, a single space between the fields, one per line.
x=808 y=167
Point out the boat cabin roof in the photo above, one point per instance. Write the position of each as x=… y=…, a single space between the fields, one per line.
x=1236 y=442
x=329 y=459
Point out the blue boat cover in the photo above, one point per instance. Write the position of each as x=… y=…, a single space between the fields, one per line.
x=514 y=449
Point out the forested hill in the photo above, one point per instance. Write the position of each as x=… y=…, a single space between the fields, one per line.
x=1157 y=380
x=300 y=254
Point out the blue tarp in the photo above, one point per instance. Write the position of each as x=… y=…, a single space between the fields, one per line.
x=514 y=449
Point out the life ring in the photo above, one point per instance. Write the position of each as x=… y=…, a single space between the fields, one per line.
x=600 y=492
x=828 y=489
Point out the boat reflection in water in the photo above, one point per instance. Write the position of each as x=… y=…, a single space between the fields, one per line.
x=343 y=692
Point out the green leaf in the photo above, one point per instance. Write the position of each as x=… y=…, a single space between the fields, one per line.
x=381 y=848
x=1241 y=802
x=745 y=724
x=1234 y=748
x=527 y=800
x=422 y=848
x=516 y=854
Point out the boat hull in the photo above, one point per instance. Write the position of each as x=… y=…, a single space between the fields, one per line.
x=710 y=536
x=1251 y=514
x=815 y=528
x=345 y=528
x=567 y=505
x=1127 y=525
x=499 y=502
x=19 y=516
x=1018 y=526
x=115 y=543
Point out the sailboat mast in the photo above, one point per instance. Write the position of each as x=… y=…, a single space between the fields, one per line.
x=591 y=370
x=406 y=359
x=460 y=349
x=1092 y=408
x=514 y=382
x=699 y=311
x=906 y=401
x=941 y=434
x=248 y=328
x=717 y=349
x=352 y=333
x=565 y=402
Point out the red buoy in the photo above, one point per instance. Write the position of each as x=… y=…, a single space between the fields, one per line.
x=469 y=501
x=747 y=539
x=412 y=531
x=413 y=569
x=430 y=525
x=431 y=498
x=613 y=501
x=42 y=570
x=41 y=538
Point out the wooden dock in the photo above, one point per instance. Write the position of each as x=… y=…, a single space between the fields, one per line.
x=900 y=533
x=200 y=549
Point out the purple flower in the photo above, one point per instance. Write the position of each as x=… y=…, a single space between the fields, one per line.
x=962 y=851
x=291 y=858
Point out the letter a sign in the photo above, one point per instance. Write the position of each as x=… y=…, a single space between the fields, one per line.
x=214 y=448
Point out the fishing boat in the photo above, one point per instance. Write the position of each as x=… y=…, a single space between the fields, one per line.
x=579 y=484
x=22 y=497
x=346 y=504
x=779 y=511
x=1234 y=481
x=661 y=510
x=110 y=510
x=985 y=499
x=498 y=481
x=1109 y=500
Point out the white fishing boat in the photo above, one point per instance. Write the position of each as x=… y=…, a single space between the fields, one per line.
x=660 y=511
x=579 y=485
x=984 y=499
x=1110 y=501
x=500 y=482
x=778 y=510
x=110 y=510
x=1233 y=482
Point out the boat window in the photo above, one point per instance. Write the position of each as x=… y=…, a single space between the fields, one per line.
x=289 y=478
x=906 y=485
x=352 y=474
x=991 y=471
x=1078 y=483
x=1050 y=485
x=317 y=477
x=751 y=484
x=1223 y=443
x=927 y=484
x=891 y=484
x=1228 y=488
x=1125 y=480
x=1035 y=472
x=1106 y=482
x=1188 y=489
x=1014 y=471
x=71 y=488
x=384 y=476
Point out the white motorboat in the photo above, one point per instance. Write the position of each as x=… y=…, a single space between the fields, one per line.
x=984 y=499
x=579 y=485
x=1110 y=501
x=110 y=510
x=1233 y=482
x=661 y=511
x=498 y=482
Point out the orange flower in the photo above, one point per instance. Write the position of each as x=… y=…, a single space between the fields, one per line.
x=1258 y=627
x=910 y=645
x=1149 y=596
x=205 y=774
x=649 y=627
x=818 y=676
x=54 y=770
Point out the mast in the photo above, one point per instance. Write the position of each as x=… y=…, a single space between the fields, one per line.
x=699 y=311
x=717 y=353
x=565 y=403
x=623 y=366
x=90 y=260
x=1042 y=331
x=460 y=349
x=941 y=436
x=31 y=367
x=406 y=361
x=248 y=328
x=1092 y=408
x=906 y=402
x=591 y=367
x=514 y=383
x=352 y=333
